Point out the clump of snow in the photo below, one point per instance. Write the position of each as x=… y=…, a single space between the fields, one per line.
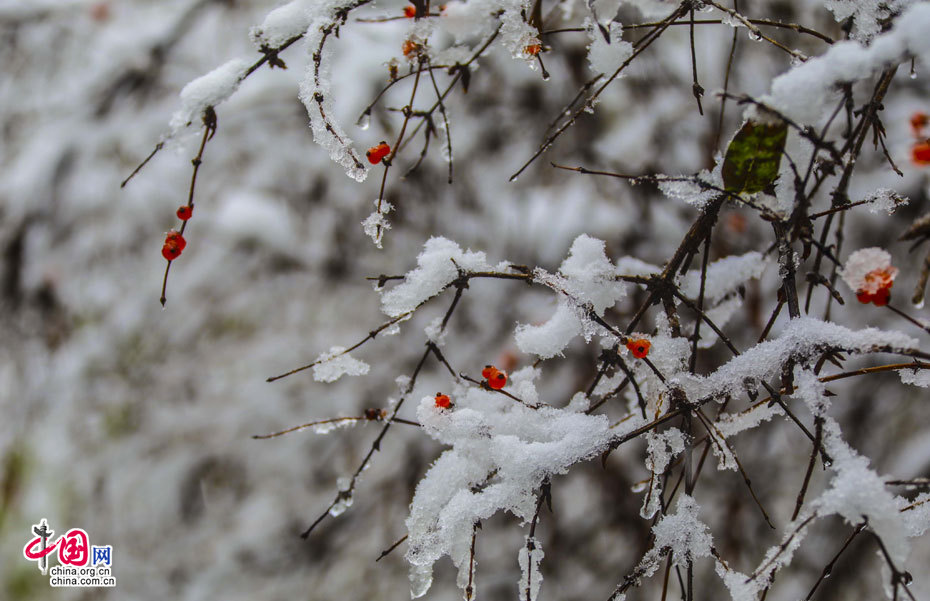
x=680 y=533
x=724 y=276
x=731 y=424
x=661 y=448
x=867 y=15
x=804 y=92
x=515 y=32
x=501 y=452
x=437 y=266
x=586 y=278
x=376 y=224
x=858 y=492
x=802 y=338
x=867 y=270
x=694 y=190
x=208 y=91
x=550 y=338
x=885 y=199
x=336 y=363
x=607 y=57
x=916 y=377
x=435 y=333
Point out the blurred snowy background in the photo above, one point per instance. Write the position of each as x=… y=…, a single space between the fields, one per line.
x=134 y=422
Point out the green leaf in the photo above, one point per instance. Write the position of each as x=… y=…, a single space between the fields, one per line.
x=753 y=156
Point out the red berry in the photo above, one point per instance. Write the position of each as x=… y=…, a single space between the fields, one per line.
x=639 y=347
x=175 y=238
x=497 y=380
x=443 y=401
x=488 y=371
x=170 y=251
x=185 y=212
x=864 y=297
x=376 y=153
x=920 y=153
x=881 y=298
x=532 y=49
x=375 y=414
x=919 y=121
x=410 y=11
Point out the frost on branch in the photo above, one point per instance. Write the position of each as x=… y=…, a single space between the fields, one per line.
x=437 y=266
x=336 y=363
x=661 y=448
x=501 y=451
x=587 y=278
x=531 y=555
x=680 y=533
x=376 y=223
x=208 y=91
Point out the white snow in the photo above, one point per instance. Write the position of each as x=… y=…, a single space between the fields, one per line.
x=336 y=363
x=437 y=267
x=607 y=58
x=865 y=261
x=208 y=91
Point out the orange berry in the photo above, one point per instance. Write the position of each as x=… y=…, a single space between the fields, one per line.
x=919 y=121
x=443 y=401
x=488 y=371
x=185 y=212
x=410 y=11
x=639 y=347
x=497 y=380
x=409 y=48
x=175 y=238
x=920 y=153
x=532 y=49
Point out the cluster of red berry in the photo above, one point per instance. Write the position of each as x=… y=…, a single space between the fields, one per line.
x=174 y=245
x=920 y=151
x=376 y=153
x=877 y=287
x=174 y=241
x=639 y=347
x=495 y=377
